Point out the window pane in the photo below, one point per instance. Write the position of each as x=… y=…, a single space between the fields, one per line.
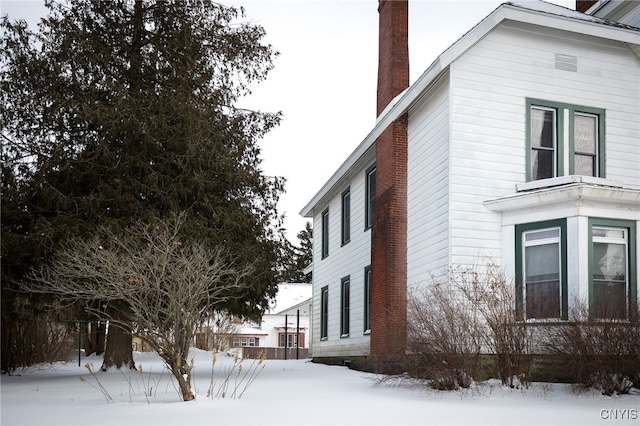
x=370 y=194
x=585 y=133
x=542 y=280
x=542 y=164
x=610 y=280
x=345 y=307
x=325 y=233
x=542 y=262
x=367 y=299
x=610 y=299
x=609 y=262
x=543 y=299
x=541 y=235
x=324 y=313
x=542 y=128
x=346 y=217
x=610 y=233
x=585 y=165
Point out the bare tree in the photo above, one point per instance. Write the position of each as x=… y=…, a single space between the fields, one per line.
x=166 y=285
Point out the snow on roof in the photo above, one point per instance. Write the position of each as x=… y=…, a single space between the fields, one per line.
x=290 y=295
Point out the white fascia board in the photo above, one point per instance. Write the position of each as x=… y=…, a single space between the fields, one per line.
x=574 y=194
x=340 y=174
x=414 y=93
x=596 y=7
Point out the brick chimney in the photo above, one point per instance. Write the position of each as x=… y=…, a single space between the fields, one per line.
x=584 y=5
x=393 y=50
x=389 y=230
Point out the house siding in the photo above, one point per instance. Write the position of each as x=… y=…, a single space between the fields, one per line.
x=428 y=185
x=343 y=260
x=490 y=84
x=467 y=155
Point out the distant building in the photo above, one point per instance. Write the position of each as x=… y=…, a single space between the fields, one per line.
x=272 y=334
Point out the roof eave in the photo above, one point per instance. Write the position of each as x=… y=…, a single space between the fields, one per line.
x=404 y=101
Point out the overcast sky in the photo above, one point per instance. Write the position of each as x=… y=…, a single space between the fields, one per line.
x=324 y=80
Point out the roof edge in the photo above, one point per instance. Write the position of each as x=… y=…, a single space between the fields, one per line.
x=510 y=11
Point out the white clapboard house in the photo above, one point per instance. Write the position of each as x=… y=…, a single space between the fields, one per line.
x=520 y=143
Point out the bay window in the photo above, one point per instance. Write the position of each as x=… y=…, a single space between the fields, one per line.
x=612 y=284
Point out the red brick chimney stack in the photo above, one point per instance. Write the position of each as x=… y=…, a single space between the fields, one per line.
x=584 y=5
x=389 y=230
x=393 y=50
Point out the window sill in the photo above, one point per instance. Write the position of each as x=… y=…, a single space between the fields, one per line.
x=568 y=191
x=565 y=180
x=367 y=332
x=543 y=322
x=344 y=336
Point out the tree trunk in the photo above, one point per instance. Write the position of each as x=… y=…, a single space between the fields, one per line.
x=94 y=338
x=183 y=376
x=119 y=349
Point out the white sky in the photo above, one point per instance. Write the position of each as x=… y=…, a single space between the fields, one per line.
x=324 y=80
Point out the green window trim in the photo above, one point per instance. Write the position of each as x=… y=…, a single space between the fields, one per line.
x=600 y=151
x=324 y=313
x=560 y=153
x=324 y=240
x=367 y=300
x=519 y=264
x=346 y=217
x=632 y=297
x=369 y=197
x=345 y=305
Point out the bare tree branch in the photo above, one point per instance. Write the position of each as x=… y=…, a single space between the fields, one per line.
x=168 y=287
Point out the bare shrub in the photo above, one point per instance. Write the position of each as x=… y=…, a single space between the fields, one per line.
x=598 y=354
x=493 y=296
x=443 y=337
x=468 y=311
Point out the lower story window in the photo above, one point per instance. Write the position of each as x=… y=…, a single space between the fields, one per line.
x=612 y=290
x=541 y=270
x=245 y=341
x=292 y=340
x=324 y=313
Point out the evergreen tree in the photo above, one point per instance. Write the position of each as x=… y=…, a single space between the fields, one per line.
x=119 y=111
x=299 y=257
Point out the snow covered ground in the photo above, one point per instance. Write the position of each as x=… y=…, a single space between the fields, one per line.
x=293 y=392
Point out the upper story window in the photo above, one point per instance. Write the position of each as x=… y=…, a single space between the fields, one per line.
x=544 y=142
x=325 y=233
x=370 y=195
x=346 y=216
x=564 y=139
